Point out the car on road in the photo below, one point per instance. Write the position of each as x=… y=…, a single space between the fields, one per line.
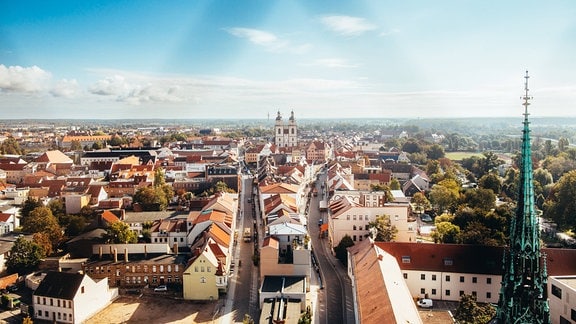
x=161 y=288
x=424 y=303
x=426 y=218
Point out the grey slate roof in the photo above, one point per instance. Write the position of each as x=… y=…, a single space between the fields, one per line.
x=61 y=285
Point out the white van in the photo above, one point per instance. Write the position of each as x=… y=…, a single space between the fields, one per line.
x=424 y=303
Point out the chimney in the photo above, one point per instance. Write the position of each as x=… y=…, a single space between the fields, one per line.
x=380 y=257
x=126 y=255
x=115 y=255
x=175 y=249
x=100 y=252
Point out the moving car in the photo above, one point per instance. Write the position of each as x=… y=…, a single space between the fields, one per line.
x=161 y=288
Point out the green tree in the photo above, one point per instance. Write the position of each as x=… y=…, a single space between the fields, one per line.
x=445 y=232
x=306 y=317
x=28 y=206
x=24 y=256
x=561 y=204
x=120 y=232
x=469 y=312
x=76 y=225
x=41 y=220
x=483 y=199
x=382 y=229
x=395 y=184
x=383 y=188
x=341 y=250
x=444 y=198
x=10 y=146
x=492 y=181
x=420 y=202
x=435 y=152
x=75 y=145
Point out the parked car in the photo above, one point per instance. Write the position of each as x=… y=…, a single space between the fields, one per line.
x=426 y=218
x=424 y=303
x=161 y=288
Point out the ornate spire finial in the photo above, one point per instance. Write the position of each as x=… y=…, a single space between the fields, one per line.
x=526 y=97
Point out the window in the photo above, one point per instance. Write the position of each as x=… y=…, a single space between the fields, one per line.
x=46 y=313
x=475 y=294
x=448 y=262
x=433 y=291
x=447 y=278
x=423 y=291
x=354 y=227
x=488 y=295
x=564 y=321
x=366 y=227
x=447 y=292
x=461 y=292
x=461 y=278
x=59 y=315
x=347 y=217
x=405 y=259
x=433 y=277
x=422 y=276
x=488 y=281
x=573 y=314
x=556 y=291
x=354 y=238
x=474 y=280
x=405 y=275
x=51 y=302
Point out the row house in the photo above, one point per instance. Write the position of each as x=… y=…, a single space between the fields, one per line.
x=207 y=271
x=63 y=297
x=350 y=213
x=15 y=173
x=447 y=271
x=136 y=265
x=170 y=231
x=84 y=140
x=278 y=205
x=297 y=193
x=318 y=151
x=107 y=155
x=375 y=275
x=55 y=162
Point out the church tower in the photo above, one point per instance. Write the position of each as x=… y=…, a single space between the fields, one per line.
x=285 y=135
x=523 y=295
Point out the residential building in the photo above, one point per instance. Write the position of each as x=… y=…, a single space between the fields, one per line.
x=70 y=297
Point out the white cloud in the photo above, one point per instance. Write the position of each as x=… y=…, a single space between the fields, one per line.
x=267 y=40
x=347 y=25
x=115 y=85
x=65 y=88
x=23 y=79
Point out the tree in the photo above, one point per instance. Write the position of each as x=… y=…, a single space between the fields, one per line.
x=247 y=319
x=41 y=220
x=446 y=232
x=28 y=206
x=10 y=146
x=120 y=232
x=383 y=188
x=306 y=317
x=435 y=152
x=43 y=242
x=491 y=181
x=75 y=145
x=341 y=250
x=420 y=202
x=382 y=230
x=443 y=197
x=483 y=199
x=395 y=184
x=469 y=312
x=24 y=256
x=561 y=204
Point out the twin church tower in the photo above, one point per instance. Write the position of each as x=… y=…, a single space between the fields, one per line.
x=285 y=134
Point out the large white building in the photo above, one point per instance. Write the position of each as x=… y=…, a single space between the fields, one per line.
x=285 y=134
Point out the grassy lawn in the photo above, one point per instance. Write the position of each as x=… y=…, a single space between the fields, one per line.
x=461 y=155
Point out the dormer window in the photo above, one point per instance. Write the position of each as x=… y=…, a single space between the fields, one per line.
x=406 y=259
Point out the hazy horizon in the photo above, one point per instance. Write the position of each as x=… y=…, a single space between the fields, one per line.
x=249 y=59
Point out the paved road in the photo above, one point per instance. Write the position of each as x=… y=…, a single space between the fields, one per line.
x=335 y=299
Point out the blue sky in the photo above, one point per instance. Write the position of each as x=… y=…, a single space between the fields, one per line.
x=322 y=59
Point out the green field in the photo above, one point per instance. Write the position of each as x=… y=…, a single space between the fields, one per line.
x=457 y=156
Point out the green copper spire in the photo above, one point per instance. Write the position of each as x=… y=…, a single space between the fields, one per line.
x=523 y=293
